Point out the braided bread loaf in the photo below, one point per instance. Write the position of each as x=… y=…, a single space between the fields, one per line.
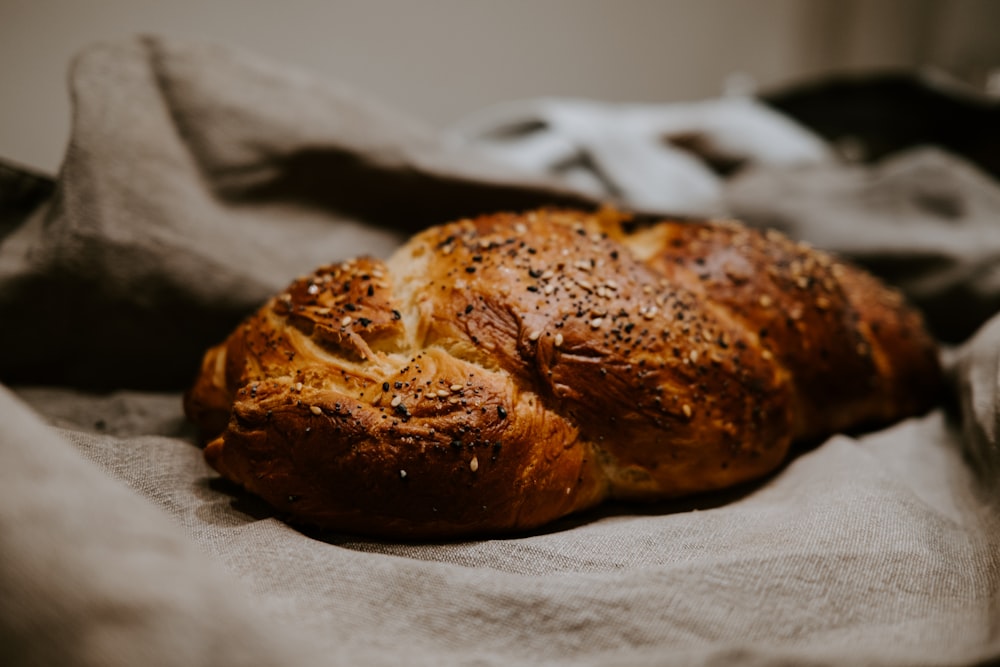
x=498 y=373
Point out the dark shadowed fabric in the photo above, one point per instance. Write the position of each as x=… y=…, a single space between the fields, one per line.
x=198 y=181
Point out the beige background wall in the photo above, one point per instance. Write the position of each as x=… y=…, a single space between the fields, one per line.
x=441 y=59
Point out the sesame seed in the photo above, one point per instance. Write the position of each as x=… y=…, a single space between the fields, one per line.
x=396 y=400
x=443 y=393
x=347 y=320
x=559 y=339
x=766 y=354
x=455 y=387
x=549 y=289
x=765 y=301
x=693 y=356
x=313 y=289
x=474 y=464
x=298 y=386
x=596 y=322
x=534 y=335
x=316 y=410
x=650 y=312
x=548 y=275
x=402 y=474
x=687 y=410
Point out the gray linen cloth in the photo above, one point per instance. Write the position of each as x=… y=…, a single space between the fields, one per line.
x=200 y=179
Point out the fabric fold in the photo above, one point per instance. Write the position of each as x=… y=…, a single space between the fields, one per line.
x=92 y=573
x=976 y=376
x=670 y=159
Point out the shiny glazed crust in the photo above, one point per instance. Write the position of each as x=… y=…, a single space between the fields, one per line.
x=501 y=372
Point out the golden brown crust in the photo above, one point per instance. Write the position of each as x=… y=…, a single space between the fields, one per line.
x=501 y=372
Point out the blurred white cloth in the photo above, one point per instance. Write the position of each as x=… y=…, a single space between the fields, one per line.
x=648 y=157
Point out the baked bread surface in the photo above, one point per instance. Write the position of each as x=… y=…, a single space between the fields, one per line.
x=498 y=373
